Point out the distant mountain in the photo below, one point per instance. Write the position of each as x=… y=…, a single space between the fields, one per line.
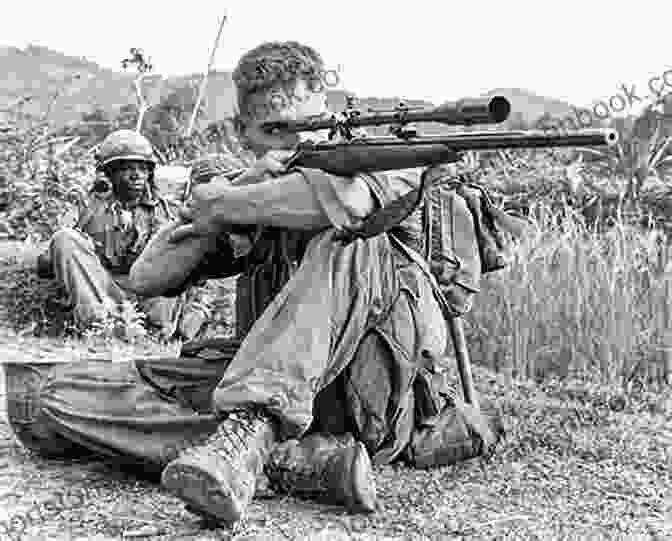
x=40 y=72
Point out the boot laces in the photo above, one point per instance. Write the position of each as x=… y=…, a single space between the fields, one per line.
x=233 y=435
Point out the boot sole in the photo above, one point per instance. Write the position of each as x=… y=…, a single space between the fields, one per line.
x=202 y=493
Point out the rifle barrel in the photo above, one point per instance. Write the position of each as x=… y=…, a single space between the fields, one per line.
x=487 y=140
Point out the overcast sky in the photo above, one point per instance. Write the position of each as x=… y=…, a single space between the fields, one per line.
x=579 y=51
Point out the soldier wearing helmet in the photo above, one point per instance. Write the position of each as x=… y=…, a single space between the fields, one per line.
x=92 y=259
x=126 y=158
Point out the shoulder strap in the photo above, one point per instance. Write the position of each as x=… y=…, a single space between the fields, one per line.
x=389 y=216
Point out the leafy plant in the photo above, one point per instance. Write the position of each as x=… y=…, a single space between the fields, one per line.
x=43 y=175
x=643 y=152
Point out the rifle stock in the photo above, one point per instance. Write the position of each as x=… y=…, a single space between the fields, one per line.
x=348 y=159
x=371 y=154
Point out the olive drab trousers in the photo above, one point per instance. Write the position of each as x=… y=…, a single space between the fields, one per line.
x=351 y=343
x=92 y=288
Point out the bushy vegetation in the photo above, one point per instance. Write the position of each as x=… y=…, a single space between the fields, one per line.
x=42 y=177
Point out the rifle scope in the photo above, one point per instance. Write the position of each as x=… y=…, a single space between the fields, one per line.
x=467 y=111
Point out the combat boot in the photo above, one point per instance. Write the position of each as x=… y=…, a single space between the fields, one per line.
x=217 y=479
x=331 y=469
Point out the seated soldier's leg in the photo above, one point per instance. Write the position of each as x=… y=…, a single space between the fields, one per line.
x=86 y=281
x=378 y=383
x=22 y=383
x=396 y=400
x=373 y=399
x=300 y=344
x=446 y=430
x=143 y=413
x=376 y=390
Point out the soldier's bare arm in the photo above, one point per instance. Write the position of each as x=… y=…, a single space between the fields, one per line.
x=307 y=199
x=165 y=268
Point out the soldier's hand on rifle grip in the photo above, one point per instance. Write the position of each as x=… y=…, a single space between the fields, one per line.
x=272 y=164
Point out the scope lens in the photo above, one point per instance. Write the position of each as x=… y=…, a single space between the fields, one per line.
x=500 y=108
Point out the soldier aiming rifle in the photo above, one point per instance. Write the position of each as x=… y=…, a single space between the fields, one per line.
x=343 y=324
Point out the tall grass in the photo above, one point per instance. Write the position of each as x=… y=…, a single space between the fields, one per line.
x=577 y=303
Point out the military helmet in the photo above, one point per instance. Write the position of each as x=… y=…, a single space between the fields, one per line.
x=124 y=145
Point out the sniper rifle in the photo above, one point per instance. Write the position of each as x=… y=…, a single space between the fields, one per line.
x=347 y=152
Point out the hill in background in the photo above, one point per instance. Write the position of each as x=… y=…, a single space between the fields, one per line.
x=39 y=73
x=528 y=107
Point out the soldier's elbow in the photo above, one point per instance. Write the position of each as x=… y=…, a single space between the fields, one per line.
x=359 y=200
x=142 y=280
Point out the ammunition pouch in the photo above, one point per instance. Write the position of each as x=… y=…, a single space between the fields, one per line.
x=461 y=241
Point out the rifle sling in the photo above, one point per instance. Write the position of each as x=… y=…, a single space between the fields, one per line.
x=388 y=217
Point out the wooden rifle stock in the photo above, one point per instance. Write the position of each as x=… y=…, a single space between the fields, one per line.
x=370 y=154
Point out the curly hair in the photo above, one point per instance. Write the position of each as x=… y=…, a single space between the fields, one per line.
x=275 y=63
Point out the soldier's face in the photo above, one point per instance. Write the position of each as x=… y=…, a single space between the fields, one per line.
x=130 y=177
x=280 y=104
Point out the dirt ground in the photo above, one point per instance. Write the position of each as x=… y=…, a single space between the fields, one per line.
x=580 y=461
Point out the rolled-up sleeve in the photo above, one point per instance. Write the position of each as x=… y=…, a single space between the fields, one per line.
x=387 y=187
x=347 y=200
x=343 y=200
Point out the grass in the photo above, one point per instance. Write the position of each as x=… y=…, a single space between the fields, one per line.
x=574 y=301
x=580 y=461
